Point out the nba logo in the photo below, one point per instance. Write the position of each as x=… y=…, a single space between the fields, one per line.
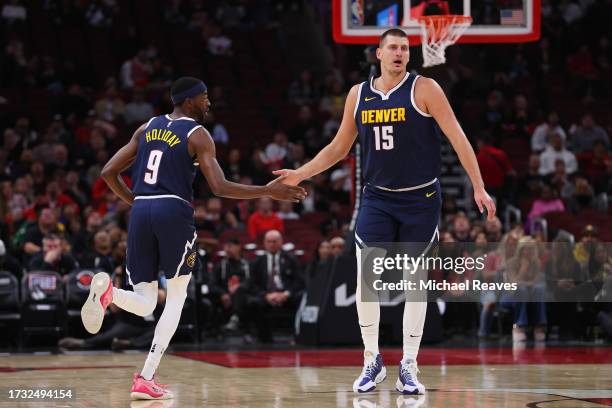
x=387 y=17
x=392 y=17
x=357 y=16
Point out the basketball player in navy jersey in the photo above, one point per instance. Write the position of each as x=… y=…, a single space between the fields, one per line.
x=399 y=118
x=161 y=232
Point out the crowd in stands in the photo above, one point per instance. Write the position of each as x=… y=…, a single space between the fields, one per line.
x=57 y=213
x=560 y=283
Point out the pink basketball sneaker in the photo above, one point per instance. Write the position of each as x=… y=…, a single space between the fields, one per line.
x=100 y=296
x=148 y=389
x=160 y=385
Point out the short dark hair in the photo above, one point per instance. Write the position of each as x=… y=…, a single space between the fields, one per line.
x=395 y=32
x=183 y=84
x=599 y=142
x=233 y=240
x=55 y=233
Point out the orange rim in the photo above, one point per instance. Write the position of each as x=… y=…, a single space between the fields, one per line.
x=446 y=18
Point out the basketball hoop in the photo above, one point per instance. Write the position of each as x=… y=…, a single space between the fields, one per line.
x=437 y=33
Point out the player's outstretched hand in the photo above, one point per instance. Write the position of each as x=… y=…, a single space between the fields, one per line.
x=484 y=200
x=291 y=176
x=278 y=189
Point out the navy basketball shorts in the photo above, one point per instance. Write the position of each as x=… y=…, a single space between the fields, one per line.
x=399 y=216
x=161 y=236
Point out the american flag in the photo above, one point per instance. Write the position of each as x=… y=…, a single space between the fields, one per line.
x=511 y=17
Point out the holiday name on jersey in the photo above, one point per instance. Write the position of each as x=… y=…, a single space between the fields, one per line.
x=383 y=115
x=163 y=135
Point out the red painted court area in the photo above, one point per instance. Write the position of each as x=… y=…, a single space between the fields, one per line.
x=56 y=368
x=431 y=356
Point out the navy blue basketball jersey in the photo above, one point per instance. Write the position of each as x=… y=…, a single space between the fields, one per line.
x=400 y=143
x=163 y=165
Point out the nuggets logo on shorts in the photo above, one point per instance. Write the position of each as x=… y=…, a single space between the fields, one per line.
x=191 y=259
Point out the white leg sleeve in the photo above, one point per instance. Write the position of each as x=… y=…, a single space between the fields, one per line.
x=414 y=321
x=141 y=301
x=167 y=324
x=368 y=313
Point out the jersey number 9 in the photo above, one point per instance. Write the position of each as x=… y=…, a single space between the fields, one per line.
x=150 y=176
x=383 y=139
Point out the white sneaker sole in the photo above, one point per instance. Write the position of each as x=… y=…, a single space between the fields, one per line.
x=371 y=386
x=92 y=312
x=135 y=396
x=407 y=390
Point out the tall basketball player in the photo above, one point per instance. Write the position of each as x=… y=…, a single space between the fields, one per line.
x=399 y=118
x=161 y=232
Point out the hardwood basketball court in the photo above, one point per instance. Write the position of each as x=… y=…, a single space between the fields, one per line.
x=467 y=377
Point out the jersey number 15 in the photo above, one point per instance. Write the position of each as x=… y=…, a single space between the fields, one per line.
x=383 y=137
x=150 y=176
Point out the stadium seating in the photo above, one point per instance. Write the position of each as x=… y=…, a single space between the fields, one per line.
x=77 y=290
x=42 y=308
x=10 y=313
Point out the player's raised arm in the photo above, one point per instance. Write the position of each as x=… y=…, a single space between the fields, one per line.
x=202 y=145
x=111 y=173
x=335 y=151
x=429 y=95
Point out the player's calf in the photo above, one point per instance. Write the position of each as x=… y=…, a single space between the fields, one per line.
x=100 y=296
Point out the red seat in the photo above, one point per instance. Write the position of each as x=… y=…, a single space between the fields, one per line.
x=558 y=220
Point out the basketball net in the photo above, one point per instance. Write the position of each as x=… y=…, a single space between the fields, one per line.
x=437 y=33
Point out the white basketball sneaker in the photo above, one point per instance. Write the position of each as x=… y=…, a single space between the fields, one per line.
x=100 y=296
x=373 y=372
x=407 y=382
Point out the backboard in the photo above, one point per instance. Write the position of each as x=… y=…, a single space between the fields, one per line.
x=501 y=21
